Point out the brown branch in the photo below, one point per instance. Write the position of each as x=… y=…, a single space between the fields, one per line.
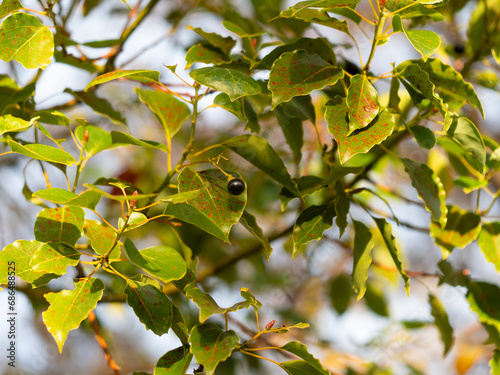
x=95 y=326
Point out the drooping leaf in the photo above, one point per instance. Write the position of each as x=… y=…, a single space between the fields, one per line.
x=170 y=111
x=299 y=73
x=340 y=293
x=259 y=152
x=120 y=138
x=101 y=238
x=150 y=304
x=22 y=251
x=161 y=262
x=174 y=362
x=250 y=223
x=442 y=322
x=375 y=300
x=211 y=345
x=362 y=100
x=462 y=228
x=424 y=41
x=362 y=140
x=225 y=44
x=300 y=350
x=69 y=308
x=223 y=101
x=145 y=76
x=25 y=39
x=424 y=136
x=54 y=257
x=8 y=123
x=292 y=129
x=341 y=207
x=311 y=224
x=60 y=224
x=229 y=81
x=429 y=188
x=307 y=185
x=178 y=325
x=42 y=152
x=386 y=232
x=363 y=244
x=205 y=53
x=489 y=242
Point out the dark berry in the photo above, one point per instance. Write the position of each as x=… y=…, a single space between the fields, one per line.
x=235 y=186
x=459 y=48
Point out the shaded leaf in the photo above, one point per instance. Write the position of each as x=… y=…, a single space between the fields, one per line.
x=145 y=76
x=307 y=185
x=205 y=53
x=174 y=362
x=341 y=207
x=320 y=17
x=466 y=135
x=363 y=244
x=240 y=31
x=230 y=81
x=410 y=9
x=375 y=300
x=360 y=141
x=25 y=39
x=69 y=308
x=52 y=117
x=340 y=293
x=300 y=368
x=119 y=138
x=225 y=44
x=42 y=152
x=300 y=350
x=99 y=105
x=250 y=223
x=489 y=242
x=299 y=73
x=162 y=262
x=424 y=136
x=60 y=224
x=211 y=345
x=442 y=322
x=462 y=228
x=484 y=300
x=362 y=100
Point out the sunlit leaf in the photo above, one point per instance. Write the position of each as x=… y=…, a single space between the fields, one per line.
x=174 y=362
x=410 y=9
x=9 y=123
x=362 y=100
x=101 y=238
x=145 y=76
x=424 y=41
x=300 y=368
x=469 y=184
x=320 y=17
x=9 y=6
x=54 y=258
x=489 y=242
x=300 y=350
x=42 y=152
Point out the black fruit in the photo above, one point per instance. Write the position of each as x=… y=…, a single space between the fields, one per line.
x=235 y=186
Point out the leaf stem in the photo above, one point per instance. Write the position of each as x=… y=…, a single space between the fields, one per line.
x=378 y=27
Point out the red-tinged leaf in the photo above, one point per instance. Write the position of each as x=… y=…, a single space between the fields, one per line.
x=299 y=73
x=225 y=44
x=21 y=253
x=161 y=262
x=42 y=152
x=25 y=39
x=362 y=100
x=462 y=227
x=330 y=5
x=9 y=6
x=150 y=304
x=250 y=223
x=101 y=238
x=174 y=362
x=429 y=188
x=170 y=111
x=320 y=17
x=489 y=242
x=69 y=308
x=205 y=53
x=363 y=244
x=311 y=224
x=211 y=345
x=410 y=9
x=145 y=76
x=362 y=140
x=386 y=232
x=230 y=81
x=442 y=322
x=60 y=224
x=54 y=258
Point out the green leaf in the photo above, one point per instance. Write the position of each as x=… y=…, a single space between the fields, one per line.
x=178 y=325
x=469 y=184
x=54 y=258
x=259 y=152
x=162 y=262
x=77 y=62
x=119 y=198
x=174 y=362
x=300 y=368
x=300 y=350
x=307 y=185
x=320 y=17
x=222 y=100
x=418 y=80
x=150 y=304
x=410 y=9
x=205 y=53
x=292 y=129
x=424 y=136
x=363 y=244
x=448 y=83
x=42 y=152
x=299 y=73
x=101 y=238
x=341 y=207
x=386 y=232
x=225 y=44
x=375 y=301
x=465 y=134
x=429 y=188
x=311 y=224
x=211 y=345
x=362 y=100
x=25 y=39
x=232 y=82
x=21 y=252
x=330 y=5
x=240 y=31
x=250 y=223
x=184 y=197
x=489 y=242
x=136 y=220
x=98 y=139
x=442 y=322
x=145 y=76
x=9 y=6
x=69 y=308
x=484 y=300
x=462 y=228
x=9 y=123
x=52 y=117
x=318 y=46
x=171 y=112
x=362 y=140
x=60 y=224
x=119 y=138
x=99 y=105
x=340 y=293
x=424 y=41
